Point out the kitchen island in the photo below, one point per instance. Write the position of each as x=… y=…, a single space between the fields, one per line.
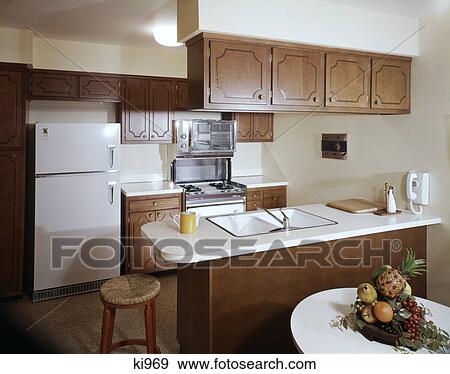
x=235 y=295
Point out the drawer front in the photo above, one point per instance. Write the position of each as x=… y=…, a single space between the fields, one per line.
x=275 y=202
x=275 y=193
x=154 y=204
x=254 y=205
x=253 y=195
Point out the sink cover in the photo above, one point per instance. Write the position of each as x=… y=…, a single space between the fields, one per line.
x=261 y=222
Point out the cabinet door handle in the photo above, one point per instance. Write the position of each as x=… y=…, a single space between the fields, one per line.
x=376 y=101
x=330 y=99
x=260 y=96
x=111 y=185
x=315 y=99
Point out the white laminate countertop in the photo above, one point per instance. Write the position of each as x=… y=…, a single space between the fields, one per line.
x=348 y=225
x=150 y=188
x=259 y=181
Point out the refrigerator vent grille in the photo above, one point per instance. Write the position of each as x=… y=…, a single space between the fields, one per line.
x=67 y=290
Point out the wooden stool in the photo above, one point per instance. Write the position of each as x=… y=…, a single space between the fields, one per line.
x=126 y=292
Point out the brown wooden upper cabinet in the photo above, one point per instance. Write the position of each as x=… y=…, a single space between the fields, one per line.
x=181 y=94
x=297 y=77
x=12 y=106
x=55 y=85
x=49 y=85
x=391 y=84
x=147 y=111
x=253 y=127
x=99 y=87
x=161 y=111
x=239 y=73
x=347 y=80
x=135 y=110
x=231 y=73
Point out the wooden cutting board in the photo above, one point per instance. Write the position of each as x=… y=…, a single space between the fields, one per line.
x=357 y=205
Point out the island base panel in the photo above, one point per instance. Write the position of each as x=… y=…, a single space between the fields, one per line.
x=224 y=307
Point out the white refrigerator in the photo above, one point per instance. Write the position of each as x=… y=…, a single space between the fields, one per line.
x=77 y=207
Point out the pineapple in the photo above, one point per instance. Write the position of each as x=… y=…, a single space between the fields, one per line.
x=392 y=282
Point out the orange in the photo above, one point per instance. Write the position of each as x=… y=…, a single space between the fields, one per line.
x=383 y=311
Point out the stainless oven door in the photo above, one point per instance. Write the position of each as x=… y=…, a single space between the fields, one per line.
x=213 y=137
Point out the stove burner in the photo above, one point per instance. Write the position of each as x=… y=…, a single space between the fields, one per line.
x=191 y=188
x=223 y=186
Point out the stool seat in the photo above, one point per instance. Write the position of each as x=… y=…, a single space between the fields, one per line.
x=130 y=289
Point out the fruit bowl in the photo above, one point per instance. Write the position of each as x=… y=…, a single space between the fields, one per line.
x=386 y=311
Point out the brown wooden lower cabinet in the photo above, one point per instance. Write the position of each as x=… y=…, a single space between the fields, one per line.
x=137 y=211
x=243 y=304
x=267 y=197
x=12 y=192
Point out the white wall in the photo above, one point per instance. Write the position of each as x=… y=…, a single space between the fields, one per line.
x=312 y=22
x=381 y=149
x=16 y=46
x=139 y=162
x=69 y=55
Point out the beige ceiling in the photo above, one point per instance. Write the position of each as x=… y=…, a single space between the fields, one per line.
x=129 y=22
x=123 y=22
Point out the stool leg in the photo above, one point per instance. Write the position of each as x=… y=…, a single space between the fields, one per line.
x=150 y=327
x=109 y=315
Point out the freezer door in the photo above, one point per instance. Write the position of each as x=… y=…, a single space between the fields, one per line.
x=71 y=209
x=77 y=147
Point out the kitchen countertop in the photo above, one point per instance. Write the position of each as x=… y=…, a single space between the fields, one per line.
x=348 y=225
x=259 y=181
x=150 y=188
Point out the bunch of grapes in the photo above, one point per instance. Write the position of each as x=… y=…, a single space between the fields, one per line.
x=412 y=324
x=388 y=327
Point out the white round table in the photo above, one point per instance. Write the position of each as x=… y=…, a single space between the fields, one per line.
x=312 y=332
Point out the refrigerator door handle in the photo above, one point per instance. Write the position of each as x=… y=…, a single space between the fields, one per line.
x=111 y=148
x=111 y=185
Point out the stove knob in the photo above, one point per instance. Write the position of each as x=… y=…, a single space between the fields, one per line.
x=183 y=136
x=183 y=145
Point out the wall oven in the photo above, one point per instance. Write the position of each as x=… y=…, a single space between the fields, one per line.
x=200 y=138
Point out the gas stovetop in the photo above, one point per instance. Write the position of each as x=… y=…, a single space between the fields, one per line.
x=213 y=192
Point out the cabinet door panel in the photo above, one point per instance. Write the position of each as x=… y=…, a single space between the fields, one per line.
x=347 y=81
x=11 y=222
x=54 y=85
x=11 y=109
x=391 y=84
x=239 y=73
x=161 y=111
x=244 y=126
x=263 y=127
x=135 y=111
x=167 y=214
x=106 y=88
x=297 y=77
x=141 y=257
x=181 y=95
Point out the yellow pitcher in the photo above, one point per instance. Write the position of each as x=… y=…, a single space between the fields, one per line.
x=187 y=222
